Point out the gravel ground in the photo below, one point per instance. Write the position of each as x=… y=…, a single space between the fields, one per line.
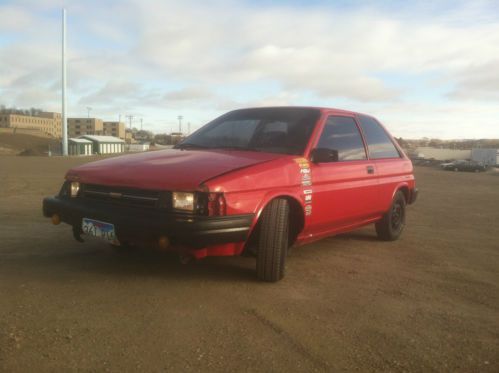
x=428 y=302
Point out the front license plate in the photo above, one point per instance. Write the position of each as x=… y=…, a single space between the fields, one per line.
x=99 y=229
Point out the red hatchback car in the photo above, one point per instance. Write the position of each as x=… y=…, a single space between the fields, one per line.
x=253 y=181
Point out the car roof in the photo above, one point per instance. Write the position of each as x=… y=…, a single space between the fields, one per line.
x=322 y=109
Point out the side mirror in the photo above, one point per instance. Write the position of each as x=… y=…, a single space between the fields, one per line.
x=322 y=155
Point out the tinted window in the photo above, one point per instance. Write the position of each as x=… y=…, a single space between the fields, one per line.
x=342 y=135
x=232 y=133
x=276 y=130
x=379 y=143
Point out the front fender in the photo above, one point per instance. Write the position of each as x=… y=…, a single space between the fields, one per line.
x=269 y=196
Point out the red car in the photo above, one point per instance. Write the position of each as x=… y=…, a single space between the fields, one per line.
x=253 y=181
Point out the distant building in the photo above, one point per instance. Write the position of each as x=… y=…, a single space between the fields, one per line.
x=129 y=137
x=442 y=154
x=46 y=122
x=80 y=147
x=137 y=147
x=105 y=144
x=116 y=129
x=489 y=157
x=85 y=126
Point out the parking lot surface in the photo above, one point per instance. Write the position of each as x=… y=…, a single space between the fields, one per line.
x=428 y=302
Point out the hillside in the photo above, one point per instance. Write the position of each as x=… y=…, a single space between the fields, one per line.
x=26 y=144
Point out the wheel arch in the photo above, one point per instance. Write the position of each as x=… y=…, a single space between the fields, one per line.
x=404 y=188
x=296 y=213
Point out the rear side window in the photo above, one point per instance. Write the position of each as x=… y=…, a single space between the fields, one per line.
x=379 y=143
x=342 y=135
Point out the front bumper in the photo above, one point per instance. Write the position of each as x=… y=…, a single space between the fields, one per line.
x=133 y=224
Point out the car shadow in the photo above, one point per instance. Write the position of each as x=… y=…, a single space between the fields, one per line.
x=356 y=236
x=57 y=259
x=150 y=262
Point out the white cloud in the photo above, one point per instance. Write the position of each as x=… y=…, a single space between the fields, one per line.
x=134 y=55
x=14 y=19
x=188 y=94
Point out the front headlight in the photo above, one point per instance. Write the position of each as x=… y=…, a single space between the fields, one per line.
x=74 y=188
x=183 y=201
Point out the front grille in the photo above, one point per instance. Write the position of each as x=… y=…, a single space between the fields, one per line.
x=127 y=196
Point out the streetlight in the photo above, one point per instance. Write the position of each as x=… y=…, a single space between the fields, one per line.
x=180 y=117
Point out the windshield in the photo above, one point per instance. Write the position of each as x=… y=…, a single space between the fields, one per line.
x=274 y=130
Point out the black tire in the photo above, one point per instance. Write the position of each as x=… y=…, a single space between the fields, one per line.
x=390 y=227
x=273 y=241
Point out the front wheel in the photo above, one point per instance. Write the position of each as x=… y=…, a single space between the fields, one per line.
x=273 y=241
x=392 y=224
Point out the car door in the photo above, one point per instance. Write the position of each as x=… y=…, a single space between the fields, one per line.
x=392 y=167
x=344 y=190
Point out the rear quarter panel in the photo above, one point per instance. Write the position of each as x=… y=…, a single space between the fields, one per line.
x=393 y=174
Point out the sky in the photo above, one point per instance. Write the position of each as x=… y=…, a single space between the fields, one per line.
x=423 y=68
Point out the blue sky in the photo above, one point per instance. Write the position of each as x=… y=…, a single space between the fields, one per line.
x=425 y=68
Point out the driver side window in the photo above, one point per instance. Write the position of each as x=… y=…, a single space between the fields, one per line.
x=341 y=134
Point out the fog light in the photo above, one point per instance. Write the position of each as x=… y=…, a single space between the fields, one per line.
x=56 y=219
x=163 y=242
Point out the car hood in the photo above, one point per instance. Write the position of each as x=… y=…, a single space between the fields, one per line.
x=170 y=169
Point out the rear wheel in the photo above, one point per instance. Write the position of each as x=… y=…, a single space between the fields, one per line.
x=392 y=224
x=273 y=241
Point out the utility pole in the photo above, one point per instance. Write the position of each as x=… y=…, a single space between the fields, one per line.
x=189 y=128
x=130 y=118
x=119 y=117
x=64 y=118
x=180 y=117
x=88 y=111
x=141 y=119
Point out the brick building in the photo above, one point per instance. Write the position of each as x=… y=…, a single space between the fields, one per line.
x=85 y=126
x=46 y=122
x=116 y=129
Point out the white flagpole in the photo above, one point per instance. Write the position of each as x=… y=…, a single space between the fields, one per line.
x=64 y=119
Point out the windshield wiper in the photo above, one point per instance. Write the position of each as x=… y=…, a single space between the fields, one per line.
x=229 y=147
x=190 y=145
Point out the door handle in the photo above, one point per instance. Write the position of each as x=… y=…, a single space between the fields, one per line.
x=370 y=169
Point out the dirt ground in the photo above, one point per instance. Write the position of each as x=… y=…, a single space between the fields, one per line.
x=428 y=302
